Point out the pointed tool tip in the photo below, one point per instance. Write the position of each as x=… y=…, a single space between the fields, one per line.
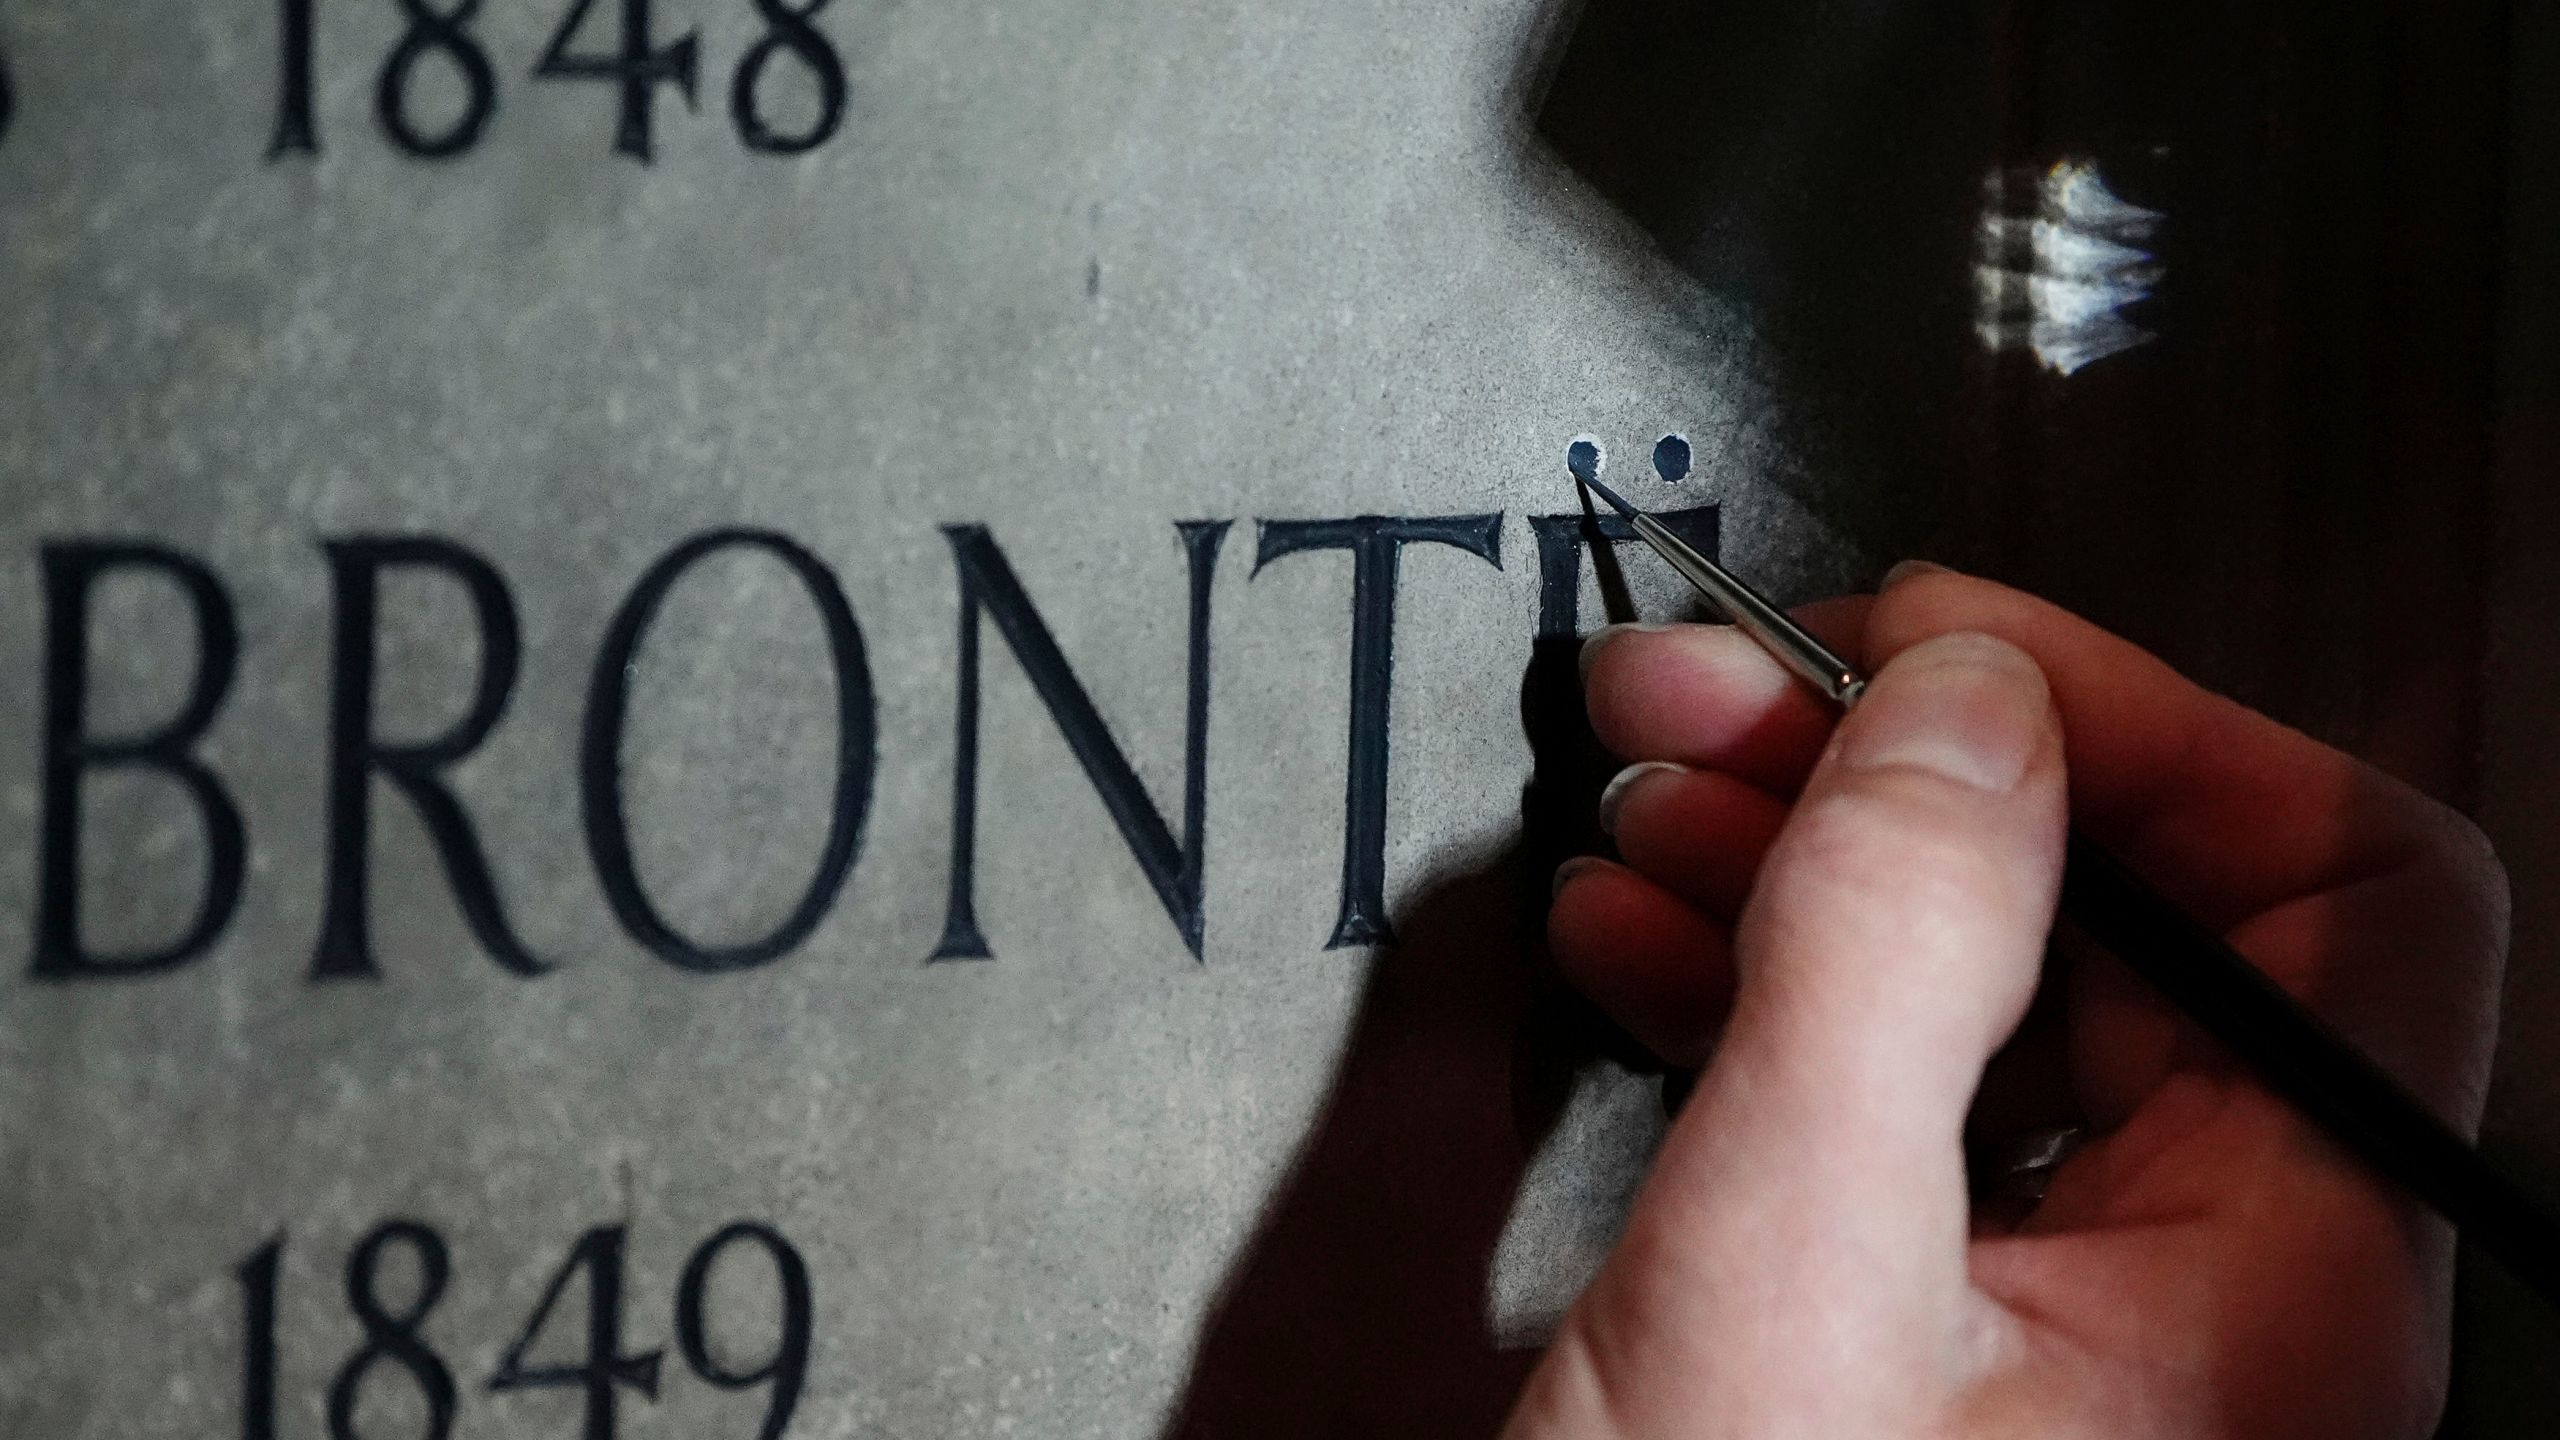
x=1592 y=484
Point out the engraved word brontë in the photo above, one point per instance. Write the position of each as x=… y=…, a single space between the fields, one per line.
x=991 y=595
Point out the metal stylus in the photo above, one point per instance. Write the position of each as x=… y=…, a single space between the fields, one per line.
x=2292 y=1050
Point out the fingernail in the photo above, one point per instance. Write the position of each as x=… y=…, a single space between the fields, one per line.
x=1912 y=570
x=1577 y=866
x=1614 y=794
x=1601 y=637
x=1966 y=707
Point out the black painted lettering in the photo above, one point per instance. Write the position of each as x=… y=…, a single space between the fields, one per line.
x=600 y=756
x=1562 y=540
x=441 y=33
x=296 y=131
x=71 y=573
x=356 y=755
x=1377 y=545
x=1174 y=868
x=633 y=66
x=1569 y=766
x=606 y=1369
x=787 y=1368
x=793 y=32
x=392 y=1309
x=257 y=1276
x=394 y=1337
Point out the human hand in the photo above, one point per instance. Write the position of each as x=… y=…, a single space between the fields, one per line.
x=1844 y=923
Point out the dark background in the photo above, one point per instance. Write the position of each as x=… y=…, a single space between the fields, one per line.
x=2324 y=486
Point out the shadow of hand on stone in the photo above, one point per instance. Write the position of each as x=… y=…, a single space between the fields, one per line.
x=1364 y=1304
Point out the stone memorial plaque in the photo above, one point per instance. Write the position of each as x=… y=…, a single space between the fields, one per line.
x=718 y=703
x=810 y=718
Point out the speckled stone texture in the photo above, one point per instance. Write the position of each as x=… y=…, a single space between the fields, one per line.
x=1076 y=271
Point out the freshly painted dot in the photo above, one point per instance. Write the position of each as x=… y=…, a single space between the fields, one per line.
x=1671 y=456
x=1584 y=457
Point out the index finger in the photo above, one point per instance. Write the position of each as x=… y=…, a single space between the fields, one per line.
x=2227 y=811
x=2330 y=875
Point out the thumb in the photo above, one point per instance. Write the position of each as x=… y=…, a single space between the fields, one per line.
x=1896 y=931
x=1802 y=1238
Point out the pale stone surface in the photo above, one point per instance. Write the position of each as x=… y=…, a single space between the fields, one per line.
x=1076 y=271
